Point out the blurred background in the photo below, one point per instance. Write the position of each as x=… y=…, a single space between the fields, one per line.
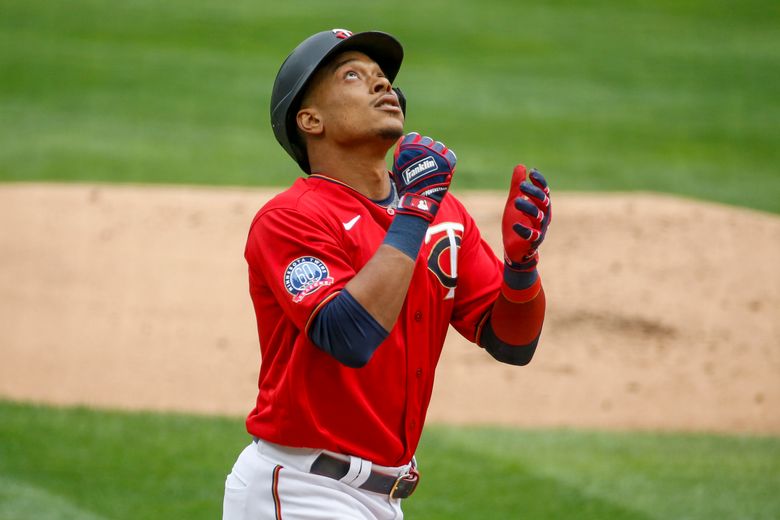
x=622 y=103
x=672 y=96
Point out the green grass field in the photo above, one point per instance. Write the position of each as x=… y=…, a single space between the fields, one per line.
x=73 y=463
x=679 y=96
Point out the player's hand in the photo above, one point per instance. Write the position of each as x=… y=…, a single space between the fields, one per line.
x=422 y=170
x=526 y=216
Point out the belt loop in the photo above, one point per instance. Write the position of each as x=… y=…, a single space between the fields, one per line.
x=352 y=472
x=358 y=473
x=363 y=474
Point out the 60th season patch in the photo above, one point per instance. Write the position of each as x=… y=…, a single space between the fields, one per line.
x=305 y=275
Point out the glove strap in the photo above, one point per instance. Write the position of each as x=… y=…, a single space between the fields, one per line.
x=413 y=204
x=528 y=262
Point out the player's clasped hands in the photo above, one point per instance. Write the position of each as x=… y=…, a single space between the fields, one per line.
x=526 y=216
x=422 y=171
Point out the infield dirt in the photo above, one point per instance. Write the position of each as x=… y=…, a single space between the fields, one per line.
x=663 y=313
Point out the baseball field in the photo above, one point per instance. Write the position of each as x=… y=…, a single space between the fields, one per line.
x=135 y=148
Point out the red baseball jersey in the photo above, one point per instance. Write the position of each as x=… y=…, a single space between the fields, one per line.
x=303 y=247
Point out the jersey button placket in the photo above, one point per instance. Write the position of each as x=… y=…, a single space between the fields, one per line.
x=418 y=316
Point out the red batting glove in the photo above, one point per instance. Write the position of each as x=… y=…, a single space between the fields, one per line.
x=526 y=216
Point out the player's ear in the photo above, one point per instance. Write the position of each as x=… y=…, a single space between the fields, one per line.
x=309 y=121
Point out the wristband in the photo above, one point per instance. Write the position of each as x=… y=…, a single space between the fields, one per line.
x=520 y=286
x=406 y=234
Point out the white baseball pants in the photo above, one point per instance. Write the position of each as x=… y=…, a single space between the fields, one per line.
x=272 y=482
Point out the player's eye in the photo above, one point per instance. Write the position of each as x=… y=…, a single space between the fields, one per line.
x=351 y=74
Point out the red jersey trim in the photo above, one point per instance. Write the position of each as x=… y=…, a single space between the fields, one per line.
x=340 y=183
x=331 y=179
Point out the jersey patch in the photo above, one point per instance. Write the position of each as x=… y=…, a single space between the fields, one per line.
x=304 y=276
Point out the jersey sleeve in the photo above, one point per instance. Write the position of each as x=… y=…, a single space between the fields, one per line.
x=479 y=280
x=300 y=259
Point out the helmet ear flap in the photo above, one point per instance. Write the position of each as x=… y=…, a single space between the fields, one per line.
x=401 y=99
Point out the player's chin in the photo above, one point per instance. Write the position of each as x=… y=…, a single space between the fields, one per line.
x=391 y=130
x=390 y=134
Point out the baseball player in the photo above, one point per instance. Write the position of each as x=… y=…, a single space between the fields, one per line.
x=355 y=274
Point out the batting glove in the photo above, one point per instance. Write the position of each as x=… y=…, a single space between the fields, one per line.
x=422 y=171
x=526 y=216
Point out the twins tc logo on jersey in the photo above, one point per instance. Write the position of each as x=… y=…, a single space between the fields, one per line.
x=443 y=257
x=305 y=275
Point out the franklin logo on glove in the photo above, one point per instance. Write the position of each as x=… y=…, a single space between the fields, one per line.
x=419 y=168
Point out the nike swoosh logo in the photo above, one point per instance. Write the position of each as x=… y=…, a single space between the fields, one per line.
x=351 y=223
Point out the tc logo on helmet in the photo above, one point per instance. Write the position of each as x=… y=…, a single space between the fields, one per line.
x=342 y=34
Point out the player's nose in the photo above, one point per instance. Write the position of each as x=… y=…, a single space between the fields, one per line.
x=381 y=84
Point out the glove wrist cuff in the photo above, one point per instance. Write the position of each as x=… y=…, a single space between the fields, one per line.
x=528 y=262
x=418 y=205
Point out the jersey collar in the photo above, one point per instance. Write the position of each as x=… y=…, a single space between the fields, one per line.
x=391 y=201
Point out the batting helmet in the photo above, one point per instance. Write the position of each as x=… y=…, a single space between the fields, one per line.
x=303 y=62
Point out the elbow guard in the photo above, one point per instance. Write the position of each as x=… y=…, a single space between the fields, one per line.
x=519 y=355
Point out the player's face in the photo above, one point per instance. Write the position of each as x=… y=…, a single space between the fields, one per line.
x=356 y=101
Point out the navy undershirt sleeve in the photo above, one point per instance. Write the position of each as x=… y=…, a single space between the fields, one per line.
x=346 y=331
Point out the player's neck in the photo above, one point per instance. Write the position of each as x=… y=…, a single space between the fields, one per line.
x=365 y=173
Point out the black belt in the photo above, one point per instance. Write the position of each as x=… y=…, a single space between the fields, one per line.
x=395 y=487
